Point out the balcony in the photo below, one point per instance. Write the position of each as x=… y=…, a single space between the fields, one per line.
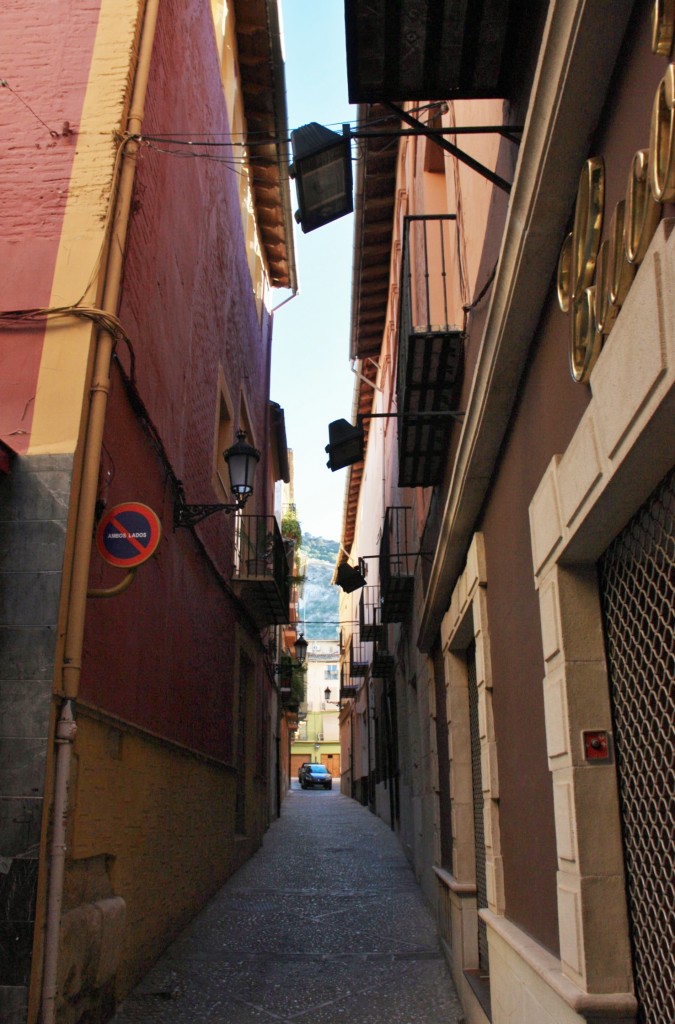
x=370 y=613
x=262 y=576
x=383 y=661
x=397 y=565
x=292 y=720
x=359 y=657
x=348 y=688
x=430 y=351
x=426 y=50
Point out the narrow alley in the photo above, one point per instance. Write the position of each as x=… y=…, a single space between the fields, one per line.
x=325 y=923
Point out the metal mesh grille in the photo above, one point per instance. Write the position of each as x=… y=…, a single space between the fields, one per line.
x=637 y=583
x=478 y=830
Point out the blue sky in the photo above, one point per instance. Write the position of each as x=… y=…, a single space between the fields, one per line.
x=311 y=376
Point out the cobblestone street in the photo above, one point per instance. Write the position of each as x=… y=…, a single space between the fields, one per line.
x=325 y=923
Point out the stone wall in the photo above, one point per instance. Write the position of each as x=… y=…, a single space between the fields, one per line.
x=33 y=511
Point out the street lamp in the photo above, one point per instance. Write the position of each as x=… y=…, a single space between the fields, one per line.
x=300 y=647
x=242 y=459
x=284 y=668
x=345 y=444
x=322 y=169
x=322 y=162
x=326 y=694
x=346 y=441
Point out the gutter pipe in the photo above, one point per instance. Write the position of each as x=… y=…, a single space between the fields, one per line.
x=362 y=115
x=356 y=270
x=86 y=501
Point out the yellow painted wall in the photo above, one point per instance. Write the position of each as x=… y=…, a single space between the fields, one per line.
x=63 y=376
x=161 y=820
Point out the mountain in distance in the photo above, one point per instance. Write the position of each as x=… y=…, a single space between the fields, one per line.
x=320 y=599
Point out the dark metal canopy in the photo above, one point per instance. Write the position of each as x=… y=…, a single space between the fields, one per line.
x=430 y=49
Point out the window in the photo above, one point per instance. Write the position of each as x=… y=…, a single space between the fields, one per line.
x=246 y=420
x=475 y=879
x=224 y=437
x=434 y=156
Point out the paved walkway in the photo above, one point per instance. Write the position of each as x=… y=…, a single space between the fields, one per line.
x=326 y=923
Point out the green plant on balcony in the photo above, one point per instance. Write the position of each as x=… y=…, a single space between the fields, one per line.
x=290 y=528
x=298 y=685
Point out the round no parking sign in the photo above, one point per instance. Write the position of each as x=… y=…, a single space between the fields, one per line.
x=128 y=534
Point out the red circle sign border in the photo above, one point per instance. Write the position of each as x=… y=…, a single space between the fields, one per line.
x=155 y=534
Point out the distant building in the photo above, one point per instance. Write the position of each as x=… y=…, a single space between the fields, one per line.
x=318 y=736
x=293 y=679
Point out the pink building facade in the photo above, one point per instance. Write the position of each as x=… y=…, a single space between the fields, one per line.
x=135 y=340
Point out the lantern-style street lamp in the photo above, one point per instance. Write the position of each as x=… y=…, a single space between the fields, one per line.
x=242 y=459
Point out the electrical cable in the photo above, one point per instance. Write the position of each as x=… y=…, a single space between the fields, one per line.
x=52 y=131
x=255 y=139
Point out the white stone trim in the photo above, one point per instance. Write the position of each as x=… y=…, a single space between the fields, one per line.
x=528 y=985
x=466 y=621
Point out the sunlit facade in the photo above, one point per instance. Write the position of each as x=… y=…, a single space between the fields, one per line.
x=139 y=704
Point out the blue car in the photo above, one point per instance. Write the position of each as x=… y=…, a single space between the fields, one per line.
x=315 y=775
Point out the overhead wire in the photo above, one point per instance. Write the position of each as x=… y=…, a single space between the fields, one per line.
x=52 y=131
x=262 y=138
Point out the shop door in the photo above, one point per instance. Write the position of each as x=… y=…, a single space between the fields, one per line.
x=296 y=761
x=332 y=763
x=637 y=585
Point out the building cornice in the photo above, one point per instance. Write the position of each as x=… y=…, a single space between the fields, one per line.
x=261 y=66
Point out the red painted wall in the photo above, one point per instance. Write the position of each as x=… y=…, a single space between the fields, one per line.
x=36 y=167
x=162 y=655
x=188 y=299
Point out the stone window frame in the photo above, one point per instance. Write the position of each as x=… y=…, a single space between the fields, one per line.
x=620 y=451
x=223 y=437
x=466 y=621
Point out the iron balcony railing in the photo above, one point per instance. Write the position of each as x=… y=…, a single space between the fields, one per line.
x=370 y=613
x=360 y=654
x=430 y=348
x=348 y=688
x=262 y=575
x=383 y=662
x=397 y=564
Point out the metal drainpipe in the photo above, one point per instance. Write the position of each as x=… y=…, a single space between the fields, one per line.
x=352 y=787
x=65 y=737
x=86 y=500
x=368 y=782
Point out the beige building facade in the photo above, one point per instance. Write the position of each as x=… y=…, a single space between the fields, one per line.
x=508 y=661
